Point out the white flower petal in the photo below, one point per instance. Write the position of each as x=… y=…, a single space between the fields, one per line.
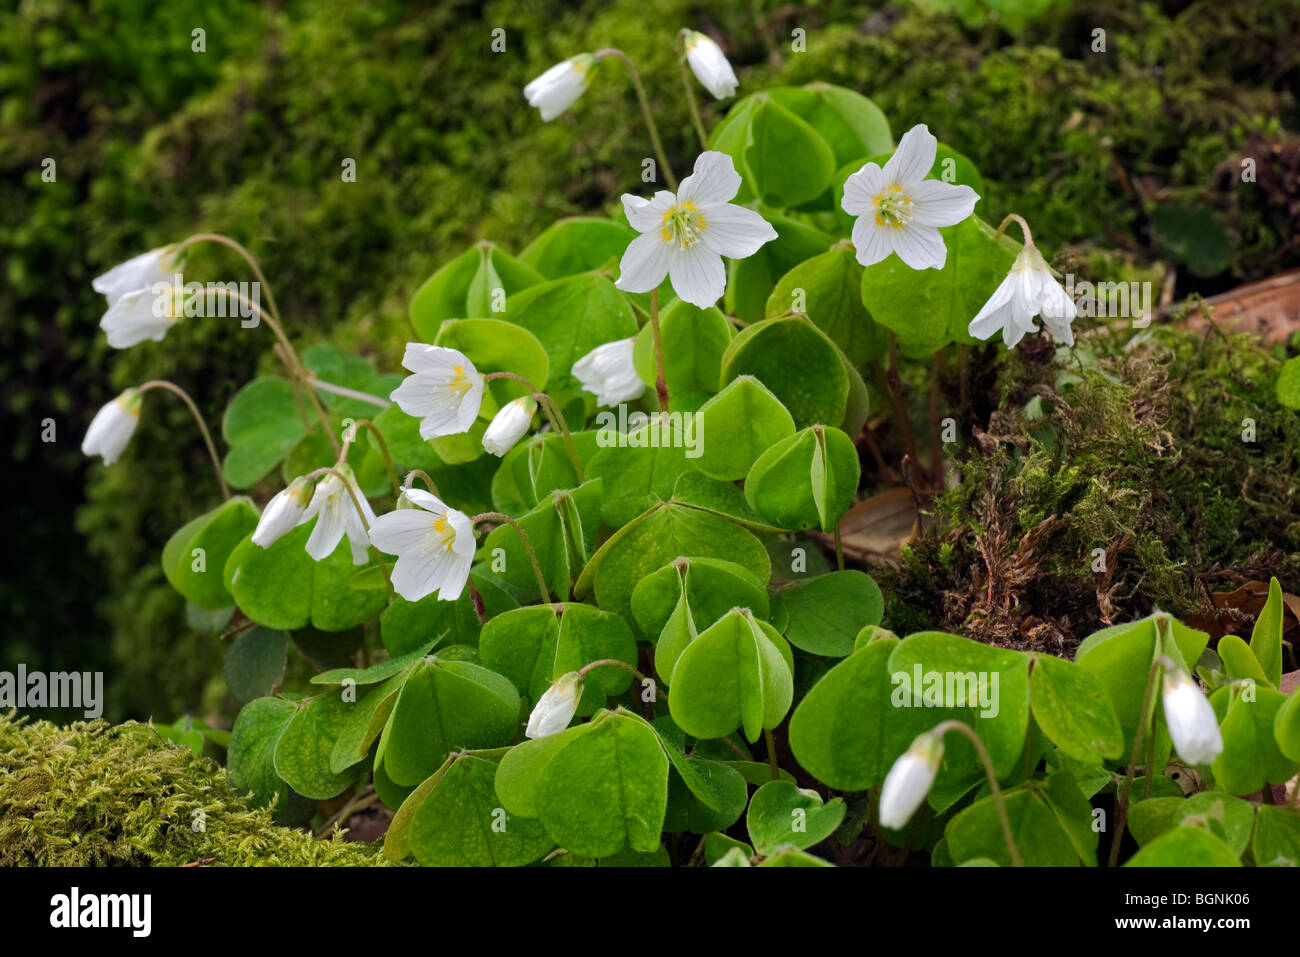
x=644 y=215
x=935 y=203
x=609 y=373
x=714 y=180
x=921 y=247
x=133 y=318
x=734 y=231
x=139 y=272
x=645 y=263
x=913 y=158
x=698 y=275
x=861 y=189
x=870 y=241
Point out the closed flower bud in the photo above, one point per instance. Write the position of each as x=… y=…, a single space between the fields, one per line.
x=710 y=66
x=556 y=708
x=509 y=425
x=112 y=427
x=141 y=272
x=608 y=373
x=283 y=513
x=1191 y=720
x=559 y=87
x=910 y=780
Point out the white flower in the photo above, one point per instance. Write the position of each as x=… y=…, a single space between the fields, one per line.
x=556 y=90
x=141 y=314
x=142 y=272
x=283 y=513
x=608 y=373
x=336 y=516
x=509 y=425
x=444 y=393
x=685 y=236
x=1191 y=720
x=910 y=780
x=899 y=210
x=710 y=66
x=556 y=708
x=1029 y=290
x=434 y=546
x=112 y=427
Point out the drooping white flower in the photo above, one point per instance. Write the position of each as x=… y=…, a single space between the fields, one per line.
x=140 y=272
x=283 y=513
x=556 y=708
x=1029 y=290
x=710 y=66
x=559 y=87
x=336 y=515
x=434 y=546
x=910 y=780
x=112 y=427
x=608 y=373
x=444 y=392
x=141 y=314
x=685 y=236
x=509 y=425
x=899 y=211
x=1190 y=717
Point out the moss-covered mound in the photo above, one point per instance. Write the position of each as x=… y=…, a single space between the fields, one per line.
x=1138 y=470
x=95 y=794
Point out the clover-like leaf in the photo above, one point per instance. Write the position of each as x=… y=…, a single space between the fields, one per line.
x=735 y=674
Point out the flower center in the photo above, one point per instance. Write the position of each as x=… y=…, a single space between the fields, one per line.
x=682 y=224
x=459 y=381
x=893 y=207
x=445 y=531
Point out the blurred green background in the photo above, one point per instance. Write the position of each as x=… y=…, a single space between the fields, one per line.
x=1128 y=160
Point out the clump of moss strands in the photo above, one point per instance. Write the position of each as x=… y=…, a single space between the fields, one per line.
x=1143 y=468
x=100 y=795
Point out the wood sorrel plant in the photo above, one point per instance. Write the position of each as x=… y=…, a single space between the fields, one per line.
x=601 y=675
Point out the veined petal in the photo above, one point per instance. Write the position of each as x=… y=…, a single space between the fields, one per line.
x=913 y=158
x=921 y=247
x=425 y=500
x=698 y=275
x=871 y=241
x=421 y=357
x=644 y=215
x=329 y=530
x=714 y=180
x=861 y=188
x=644 y=264
x=734 y=231
x=994 y=314
x=936 y=203
x=403 y=530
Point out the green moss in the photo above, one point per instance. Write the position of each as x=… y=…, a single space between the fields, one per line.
x=95 y=794
x=1137 y=445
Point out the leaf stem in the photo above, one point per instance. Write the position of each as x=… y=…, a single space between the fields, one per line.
x=383 y=450
x=682 y=34
x=552 y=413
x=1122 y=796
x=645 y=111
x=661 y=377
x=501 y=517
x=770 y=741
x=198 y=419
x=983 y=752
